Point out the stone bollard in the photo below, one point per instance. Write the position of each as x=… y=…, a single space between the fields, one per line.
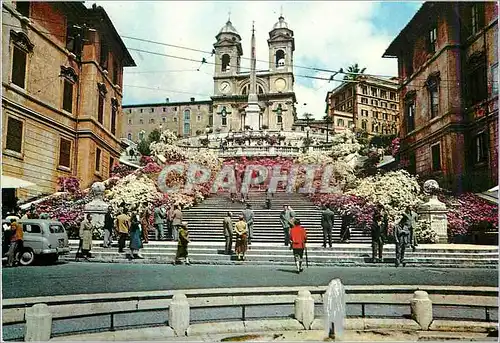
x=178 y=314
x=304 y=308
x=38 y=323
x=334 y=309
x=421 y=309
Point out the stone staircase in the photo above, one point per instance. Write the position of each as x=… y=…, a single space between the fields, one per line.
x=205 y=219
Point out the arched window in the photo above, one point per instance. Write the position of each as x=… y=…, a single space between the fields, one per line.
x=280 y=58
x=187 y=115
x=261 y=90
x=244 y=90
x=129 y=136
x=226 y=62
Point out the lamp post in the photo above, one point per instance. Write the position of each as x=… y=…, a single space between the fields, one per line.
x=207 y=130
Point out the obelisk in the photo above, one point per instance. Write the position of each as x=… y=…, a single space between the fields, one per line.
x=252 y=111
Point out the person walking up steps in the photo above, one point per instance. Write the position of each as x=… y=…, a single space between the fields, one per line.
x=182 y=246
x=285 y=224
x=176 y=222
x=248 y=215
x=158 y=220
x=123 y=227
x=240 y=231
x=109 y=223
x=135 y=237
x=298 y=239
x=327 y=218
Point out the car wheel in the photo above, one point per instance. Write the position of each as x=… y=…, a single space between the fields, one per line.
x=26 y=257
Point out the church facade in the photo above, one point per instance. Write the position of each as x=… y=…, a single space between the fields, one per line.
x=274 y=87
x=226 y=109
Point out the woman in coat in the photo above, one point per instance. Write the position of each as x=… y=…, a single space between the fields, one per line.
x=241 y=232
x=182 y=246
x=135 y=237
x=86 y=236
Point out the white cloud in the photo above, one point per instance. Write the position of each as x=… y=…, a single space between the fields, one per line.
x=328 y=35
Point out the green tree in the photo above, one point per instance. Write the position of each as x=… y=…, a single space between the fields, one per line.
x=354 y=68
x=154 y=136
x=143 y=147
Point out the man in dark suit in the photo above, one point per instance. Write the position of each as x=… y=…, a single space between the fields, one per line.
x=327 y=221
x=379 y=231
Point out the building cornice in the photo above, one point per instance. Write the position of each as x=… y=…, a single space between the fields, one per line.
x=169 y=104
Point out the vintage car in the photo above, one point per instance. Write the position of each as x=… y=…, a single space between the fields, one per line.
x=42 y=238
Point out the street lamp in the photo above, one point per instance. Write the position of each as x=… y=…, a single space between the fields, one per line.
x=308 y=128
x=207 y=130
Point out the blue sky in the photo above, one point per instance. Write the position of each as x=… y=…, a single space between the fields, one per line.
x=328 y=35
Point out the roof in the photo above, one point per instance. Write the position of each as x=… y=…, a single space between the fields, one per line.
x=167 y=104
x=102 y=16
x=281 y=23
x=422 y=15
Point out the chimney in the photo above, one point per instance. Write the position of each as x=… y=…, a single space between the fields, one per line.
x=167 y=100
x=192 y=99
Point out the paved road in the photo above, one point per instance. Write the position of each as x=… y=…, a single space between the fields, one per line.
x=81 y=277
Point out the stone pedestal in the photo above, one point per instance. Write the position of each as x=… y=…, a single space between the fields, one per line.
x=435 y=212
x=304 y=308
x=252 y=112
x=421 y=309
x=38 y=323
x=178 y=314
x=97 y=207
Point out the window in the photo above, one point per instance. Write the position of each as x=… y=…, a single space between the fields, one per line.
x=375 y=114
x=436 y=157
x=383 y=104
x=14 y=137
x=175 y=119
x=65 y=153
x=68 y=96
x=374 y=91
x=187 y=129
x=175 y=108
x=374 y=102
x=97 y=159
x=32 y=228
x=111 y=163
x=384 y=116
x=141 y=121
x=432 y=42
x=340 y=122
x=211 y=120
x=477 y=17
x=261 y=90
x=349 y=104
x=481 y=148
x=280 y=59
x=116 y=71
x=363 y=125
x=349 y=93
x=350 y=123
x=494 y=80
x=224 y=121
x=113 y=120
x=198 y=118
x=103 y=57
x=163 y=119
x=130 y=111
x=151 y=121
x=141 y=110
x=364 y=100
x=477 y=88
x=100 y=109
x=393 y=106
x=130 y=121
x=187 y=115
x=364 y=113
x=23 y=7
x=364 y=90
x=164 y=109
x=392 y=96
x=373 y=127
x=19 y=57
x=434 y=98
x=410 y=116
x=383 y=94
x=152 y=110
x=199 y=106
x=129 y=136
x=279 y=119
x=226 y=66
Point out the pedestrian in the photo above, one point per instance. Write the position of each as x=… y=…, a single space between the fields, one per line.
x=33 y=214
x=378 y=232
x=108 y=227
x=86 y=236
x=402 y=239
x=327 y=221
x=345 y=228
x=16 y=242
x=170 y=227
x=123 y=227
x=176 y=222
x=248 y=215
x=298 y=239
x=285 y=219
x=412 y=218
x=182 y=246
x=240 y=232
x=145 y=214
x=268 y=198
x=135 y=237
x=158 y=220
x=227 y=224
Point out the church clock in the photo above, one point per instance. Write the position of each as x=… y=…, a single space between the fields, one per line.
x=225 y=87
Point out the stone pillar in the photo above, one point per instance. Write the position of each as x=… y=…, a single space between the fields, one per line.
x=434 y=211
x=38 y=323
x=304 y=308
x=421 y=309
x=178 y=314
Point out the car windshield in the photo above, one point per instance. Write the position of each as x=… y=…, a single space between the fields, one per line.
x=56 y=229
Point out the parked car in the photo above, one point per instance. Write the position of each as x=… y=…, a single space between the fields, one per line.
x=42 y=238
